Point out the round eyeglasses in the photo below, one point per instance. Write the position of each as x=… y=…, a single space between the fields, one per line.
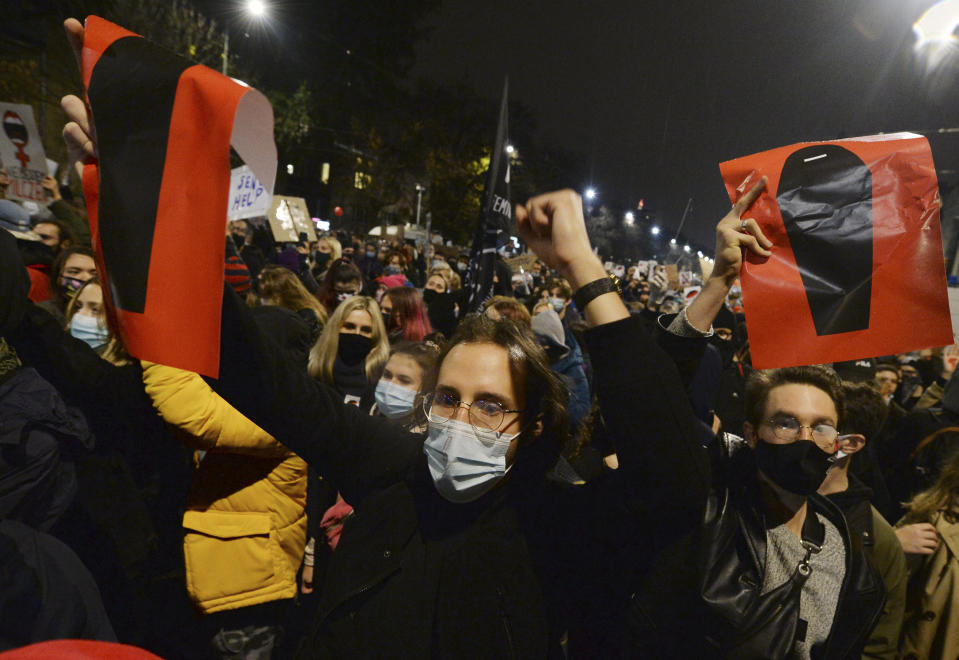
x=441 y=406
x=788 y=428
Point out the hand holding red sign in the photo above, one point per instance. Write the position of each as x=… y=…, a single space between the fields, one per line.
x=856 y=265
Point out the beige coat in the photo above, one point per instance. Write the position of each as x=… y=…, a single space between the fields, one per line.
x=931 y=627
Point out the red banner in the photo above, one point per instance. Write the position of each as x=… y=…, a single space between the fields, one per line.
x=857 y=265
x=157 y=198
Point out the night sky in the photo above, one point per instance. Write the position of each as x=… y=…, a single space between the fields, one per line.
x=654 y=94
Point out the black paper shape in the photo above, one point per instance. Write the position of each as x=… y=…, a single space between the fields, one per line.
x=825 y=199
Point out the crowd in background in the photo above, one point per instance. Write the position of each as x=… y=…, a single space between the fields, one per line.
x=145 y=504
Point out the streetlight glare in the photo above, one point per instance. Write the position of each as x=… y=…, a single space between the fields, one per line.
x=654 y=230
x=590 y=193
x=629 y=217
x=938 y=23
x=672 y=241
x=256 y=7
x=510 y=148
x=686 y=247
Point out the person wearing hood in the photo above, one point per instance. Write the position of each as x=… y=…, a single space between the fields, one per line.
x=864 y=414
x=565 y=361
x=37 y=256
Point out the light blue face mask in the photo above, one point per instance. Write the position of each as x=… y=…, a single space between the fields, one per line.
x=557 y=304
x=465 y=462
x=394 y=400
x=88 y=329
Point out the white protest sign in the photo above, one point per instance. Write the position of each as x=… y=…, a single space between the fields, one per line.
x=21 y=153
x=288 y=217
x=248 y=197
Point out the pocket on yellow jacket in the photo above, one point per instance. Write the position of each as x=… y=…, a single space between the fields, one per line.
x=230 y=554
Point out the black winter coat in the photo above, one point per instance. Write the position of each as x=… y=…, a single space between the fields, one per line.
x=507 y=575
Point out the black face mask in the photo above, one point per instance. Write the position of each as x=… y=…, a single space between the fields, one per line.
x=430 y=296
x=321 y=258
x=354 y=348
x=799 y=467
x=386 y=319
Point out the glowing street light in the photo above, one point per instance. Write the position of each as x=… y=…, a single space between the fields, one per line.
x=699 y=253
x=935 y=32
x=590 y=193
x=654 y=230
x=510 y=148
x=253 y=8
x=686 y=248
x=672 y=241
x=629 y=217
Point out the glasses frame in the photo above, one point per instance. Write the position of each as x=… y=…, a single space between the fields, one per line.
x=428 y=403
x=812 y=433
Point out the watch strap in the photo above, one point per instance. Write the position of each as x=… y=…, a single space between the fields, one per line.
x=585 y=294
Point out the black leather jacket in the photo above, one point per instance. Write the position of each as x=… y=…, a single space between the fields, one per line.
x=712 y=606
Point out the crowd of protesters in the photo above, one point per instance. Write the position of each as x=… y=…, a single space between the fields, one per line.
x=581 y=468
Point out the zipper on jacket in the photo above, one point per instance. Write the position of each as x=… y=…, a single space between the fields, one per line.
x=505 y=618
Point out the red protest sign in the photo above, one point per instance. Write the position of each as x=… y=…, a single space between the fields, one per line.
x=856 y=267
x=157 y=198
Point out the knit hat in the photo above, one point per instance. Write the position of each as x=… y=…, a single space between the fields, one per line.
x=392 y=281
x=16 y=220
x=237 y=274
x=550 y=334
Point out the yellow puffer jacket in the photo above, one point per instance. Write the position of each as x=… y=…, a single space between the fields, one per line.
x=245 y=522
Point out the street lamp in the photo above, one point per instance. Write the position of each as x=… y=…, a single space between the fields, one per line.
x=672 y=241
x=590 y=193
x=654 y=230
x=629 y=217
x=253 y=8
x=686 y=248
x=510 y=149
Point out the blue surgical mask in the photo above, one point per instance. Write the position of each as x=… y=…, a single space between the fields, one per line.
x=557 y=304
x=465 y=462
x=88 y=329
x=394 y=400
x=370 y=255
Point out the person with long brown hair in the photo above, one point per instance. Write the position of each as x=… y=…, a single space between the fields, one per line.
x=932 y=600
x=281 y=287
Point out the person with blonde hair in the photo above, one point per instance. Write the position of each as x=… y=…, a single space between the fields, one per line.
x=352 y=350
x=281 y=287
x=85 y=319
x=328 y=250
x=930 y=531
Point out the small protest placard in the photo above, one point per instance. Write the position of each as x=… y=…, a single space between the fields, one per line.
x=289 y=217
x=672 y=276
x=21 y=152
x=248 y=197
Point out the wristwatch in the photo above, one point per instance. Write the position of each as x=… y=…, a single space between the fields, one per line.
x=585 y=294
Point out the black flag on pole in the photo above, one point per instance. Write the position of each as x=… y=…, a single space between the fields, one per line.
x=496 y=217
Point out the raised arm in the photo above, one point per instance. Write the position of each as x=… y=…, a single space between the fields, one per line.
x=640 y=394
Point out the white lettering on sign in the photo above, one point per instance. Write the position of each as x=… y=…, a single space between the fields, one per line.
x=502 y=206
